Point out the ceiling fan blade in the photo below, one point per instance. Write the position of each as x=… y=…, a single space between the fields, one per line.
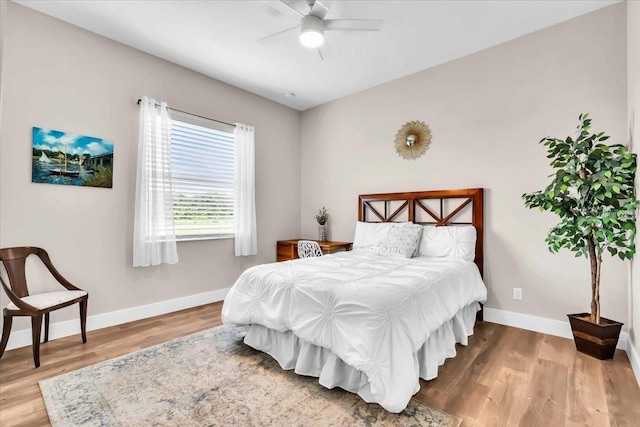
x=326 y=3
x=324 y=51
x=353 y=24
x=276 y=36
x=301 y=7
x=320 y=8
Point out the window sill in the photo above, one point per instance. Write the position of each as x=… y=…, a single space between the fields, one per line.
x=201 y=238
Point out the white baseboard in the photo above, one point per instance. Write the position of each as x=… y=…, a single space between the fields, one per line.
x=634 y=358
x=557 y=328
x=528 y=322
x=22 y=337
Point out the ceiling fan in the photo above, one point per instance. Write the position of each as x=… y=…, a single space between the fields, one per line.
x=313 y=25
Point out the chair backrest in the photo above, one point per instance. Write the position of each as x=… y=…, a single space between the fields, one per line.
x=14 y=262
x=308 y=249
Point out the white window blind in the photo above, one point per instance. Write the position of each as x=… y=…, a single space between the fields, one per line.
x=202 y=178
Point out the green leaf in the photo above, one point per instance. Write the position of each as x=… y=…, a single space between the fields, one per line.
x=598 y=207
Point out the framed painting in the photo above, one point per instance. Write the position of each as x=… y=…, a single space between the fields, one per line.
x=63 y=158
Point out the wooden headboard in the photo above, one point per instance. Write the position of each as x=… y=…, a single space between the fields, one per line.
x=440 y=208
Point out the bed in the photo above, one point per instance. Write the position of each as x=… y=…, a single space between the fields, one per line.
x=379 y=317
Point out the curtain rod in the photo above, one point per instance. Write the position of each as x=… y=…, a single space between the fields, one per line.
x=191 y=114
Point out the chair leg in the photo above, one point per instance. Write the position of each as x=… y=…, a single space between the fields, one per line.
x=36 y=327
x=46 y=327
x=83 y=319
x=6 y=330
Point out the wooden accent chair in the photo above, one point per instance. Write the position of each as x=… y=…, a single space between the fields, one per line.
x=309 y=249
x=24 y=304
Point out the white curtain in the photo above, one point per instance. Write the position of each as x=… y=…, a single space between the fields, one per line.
x=154 y=239
x=244 y=216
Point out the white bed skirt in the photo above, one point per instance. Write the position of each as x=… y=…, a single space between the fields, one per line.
x=292 y=352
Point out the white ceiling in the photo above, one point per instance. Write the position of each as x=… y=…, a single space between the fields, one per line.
x=218 y=38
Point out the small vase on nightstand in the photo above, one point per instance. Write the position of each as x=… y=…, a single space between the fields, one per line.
x=322 y=232
x=322 y=217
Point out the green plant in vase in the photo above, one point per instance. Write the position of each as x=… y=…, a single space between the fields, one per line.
x=592 y=191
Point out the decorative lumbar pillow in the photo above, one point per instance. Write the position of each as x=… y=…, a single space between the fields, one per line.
x=449 y=241
x=402 y=241
x=369 y=234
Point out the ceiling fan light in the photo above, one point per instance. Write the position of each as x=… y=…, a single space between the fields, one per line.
x=311 y=31
x=311 y=38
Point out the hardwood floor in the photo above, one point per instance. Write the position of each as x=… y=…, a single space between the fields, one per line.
x=505 y=377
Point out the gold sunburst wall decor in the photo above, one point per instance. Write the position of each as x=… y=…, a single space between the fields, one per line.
x=413 y=140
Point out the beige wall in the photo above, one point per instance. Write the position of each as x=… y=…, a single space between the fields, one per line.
x=3 y=20
x=59 y=76
x=487 y=112
x=633 y=111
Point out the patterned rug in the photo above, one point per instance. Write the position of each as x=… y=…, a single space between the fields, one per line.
x=211 y=379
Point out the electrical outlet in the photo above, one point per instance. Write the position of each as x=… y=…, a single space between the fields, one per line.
x=517 y=294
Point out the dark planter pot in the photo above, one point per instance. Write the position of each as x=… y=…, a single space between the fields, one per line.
x=595 y=340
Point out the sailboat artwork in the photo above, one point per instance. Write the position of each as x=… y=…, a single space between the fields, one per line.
x=64 y=171
x=67 y=159
x=44 y=159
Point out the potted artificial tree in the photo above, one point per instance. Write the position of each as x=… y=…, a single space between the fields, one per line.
x=592 y=191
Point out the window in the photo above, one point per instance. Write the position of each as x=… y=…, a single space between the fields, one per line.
x=202 y=178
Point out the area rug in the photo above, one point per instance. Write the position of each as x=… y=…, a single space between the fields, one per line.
x=211 y=379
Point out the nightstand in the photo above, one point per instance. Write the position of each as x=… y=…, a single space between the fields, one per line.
x=288 y=249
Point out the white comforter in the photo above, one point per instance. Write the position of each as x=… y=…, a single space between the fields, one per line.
x=372 y=312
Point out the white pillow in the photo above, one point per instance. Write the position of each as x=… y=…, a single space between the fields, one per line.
x=369 y=234
x=402 y=241
x=450 y=241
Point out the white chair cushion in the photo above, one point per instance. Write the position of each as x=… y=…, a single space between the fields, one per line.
x=48 y=299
